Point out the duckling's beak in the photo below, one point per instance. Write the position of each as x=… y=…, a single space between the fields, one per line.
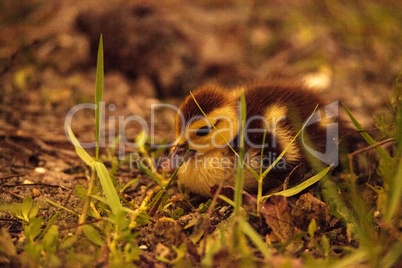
x=179 y=155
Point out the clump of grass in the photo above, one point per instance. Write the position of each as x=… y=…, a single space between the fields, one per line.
x=375 y=227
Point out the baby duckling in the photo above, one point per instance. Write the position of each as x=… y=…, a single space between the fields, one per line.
x=274 y=108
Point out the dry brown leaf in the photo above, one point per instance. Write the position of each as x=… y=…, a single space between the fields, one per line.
x=277 y=215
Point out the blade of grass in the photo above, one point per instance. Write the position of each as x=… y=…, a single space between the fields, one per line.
x=152 y=175
x=300 y=187
x=397 y=98
x=26 y=207
x=393 y=255
x=227 y=200
x=288 y=146
x=255 y=237
x=239 y=183
x=384 y=155
x=351 y=260
x=98 y=95
x=129 y=210
x=134 y=181
x=60 y=206
x=80 y=151
x=49 y=225
x=90 y=162
x=85 y=207
x=262 y=150
x=260 y=180
x=208 y=259
x=174 y=175
x=156 y=202
x=100 y=199
x=108 y=188
x=93 y=235
x=158 y=198
x=395 y=193
x=112 y=150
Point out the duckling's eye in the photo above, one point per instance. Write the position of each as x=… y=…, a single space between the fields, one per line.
x=203 y=131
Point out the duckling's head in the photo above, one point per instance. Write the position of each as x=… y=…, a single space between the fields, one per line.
x=206 y=121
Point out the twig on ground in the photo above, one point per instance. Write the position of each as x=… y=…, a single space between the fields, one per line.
x=38 y=184
x=14 y=194
x=78 y=225
x=368 y=148
x=12 y=176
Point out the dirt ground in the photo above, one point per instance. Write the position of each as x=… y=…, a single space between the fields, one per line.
x=155 y=54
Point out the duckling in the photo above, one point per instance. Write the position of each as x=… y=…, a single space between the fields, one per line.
x=207 y=146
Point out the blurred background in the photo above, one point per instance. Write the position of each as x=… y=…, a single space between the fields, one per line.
x=157 y=52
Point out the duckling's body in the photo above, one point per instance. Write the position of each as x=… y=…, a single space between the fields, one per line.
x=274 y=107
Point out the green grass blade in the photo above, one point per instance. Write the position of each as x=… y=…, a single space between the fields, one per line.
x=100 y=199
x=208 y=260
x=133 y=182
x=351 y=260
x=50 y=223
x=384 y=155
x=288 y=146
x=262 y=151
x=255 y=175
x=93 y=235
x=129 y=210
x=255 y=237
x=98 y=95
x=397 y=100
x=213 y=125
x=239 y=183
x=152 y=175
x=395 y=193
x=393 y=255
x=395 y=189
x=26 y=207
x=80 y=151
x=227 y=200
x=108 y=188
x=60 y=206
x=300 y=187
x=174 y=175
x=261 y=178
